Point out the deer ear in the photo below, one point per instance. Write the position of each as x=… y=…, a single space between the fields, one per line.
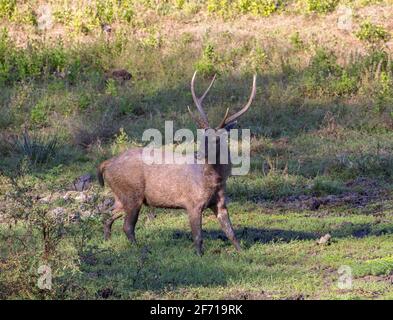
x=230 y=125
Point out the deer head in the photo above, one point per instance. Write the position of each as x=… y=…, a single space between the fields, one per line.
x=213 y=137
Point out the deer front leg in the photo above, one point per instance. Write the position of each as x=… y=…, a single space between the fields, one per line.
x=195 y=216
x=221 y=213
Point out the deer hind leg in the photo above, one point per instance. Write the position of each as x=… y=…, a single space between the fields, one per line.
x=221 y=213
x=130 y=220
x=117 y=212
x=108 y=224
x=195 y=217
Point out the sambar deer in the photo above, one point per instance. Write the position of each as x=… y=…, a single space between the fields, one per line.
x=193 y=187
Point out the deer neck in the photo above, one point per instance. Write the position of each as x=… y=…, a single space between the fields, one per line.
x=216 y=175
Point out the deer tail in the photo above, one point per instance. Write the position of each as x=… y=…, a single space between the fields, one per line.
x=100 y=172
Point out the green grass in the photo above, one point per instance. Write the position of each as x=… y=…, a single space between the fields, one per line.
x=280 y=258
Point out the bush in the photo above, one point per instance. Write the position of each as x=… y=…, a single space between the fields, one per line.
x=207 y=64
x=372 y=34
x=38 y=150
x=324 y=186
x=39 y=114
x=7 y=8
x=227 y=8
x=322 y=68
x=321 y=6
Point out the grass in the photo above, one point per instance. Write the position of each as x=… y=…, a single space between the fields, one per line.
x=321 y=149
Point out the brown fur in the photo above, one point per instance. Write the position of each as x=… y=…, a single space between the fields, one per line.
x=193 y=187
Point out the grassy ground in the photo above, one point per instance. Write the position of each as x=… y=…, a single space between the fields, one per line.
x=321 y=147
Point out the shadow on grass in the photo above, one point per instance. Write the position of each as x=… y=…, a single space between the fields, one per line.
x=250 y=236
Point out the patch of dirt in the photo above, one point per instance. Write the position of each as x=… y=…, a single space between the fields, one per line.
x=363 y=191
x=370 y=278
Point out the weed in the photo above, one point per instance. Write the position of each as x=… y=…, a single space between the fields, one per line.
x=372 y=34
x=321 y=6
x=38 y=150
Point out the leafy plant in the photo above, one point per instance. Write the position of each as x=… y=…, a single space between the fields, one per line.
x=38 y=150
x=120 y=143
x=372 y=34
x=296 y=41
x=207 y=65
x=7 y=8
x=321 y=6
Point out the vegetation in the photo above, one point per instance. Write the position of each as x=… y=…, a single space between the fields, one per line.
x=321 y=147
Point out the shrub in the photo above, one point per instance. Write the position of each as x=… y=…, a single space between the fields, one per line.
x=37 y=149
x=39 y=113
x=321 y=6
x=296 y=41
x=121 y=142
x=384 y=96
x=372 y=34
x=322 y=67
x=7 y=8
x=345 y=84
x=227 y=8
x=207 y=64
x=324 y=186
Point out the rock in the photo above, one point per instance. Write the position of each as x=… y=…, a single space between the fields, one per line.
x=315 y=204
x=324 y=240
x=84 y=198
x=82 y=183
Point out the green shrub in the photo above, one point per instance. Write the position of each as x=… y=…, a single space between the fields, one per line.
x=111 y=88
x=345 y=84
x=227 y=8
x=207 y=64
x=37 y=149
x=372 y=34
x=296 y=41
x=322 y=68
x=321 y=6
x=39 y=114
x=7 y=8
x=264 y=7
x=324 y=186
x=384 y=97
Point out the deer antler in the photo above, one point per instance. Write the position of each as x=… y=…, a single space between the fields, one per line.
x=227 y=120
x=204 y=122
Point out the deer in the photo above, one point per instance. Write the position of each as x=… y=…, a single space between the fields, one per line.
x=193 y=187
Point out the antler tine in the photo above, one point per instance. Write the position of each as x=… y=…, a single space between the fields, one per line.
x=245 y=108
x=222 y=123
x=208 y=88
x=198 y=101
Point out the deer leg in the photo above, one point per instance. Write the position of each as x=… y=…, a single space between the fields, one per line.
x=108 y=224
x=117 y=212
x=195 y=217
x=130 y=221
x=221 y=213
